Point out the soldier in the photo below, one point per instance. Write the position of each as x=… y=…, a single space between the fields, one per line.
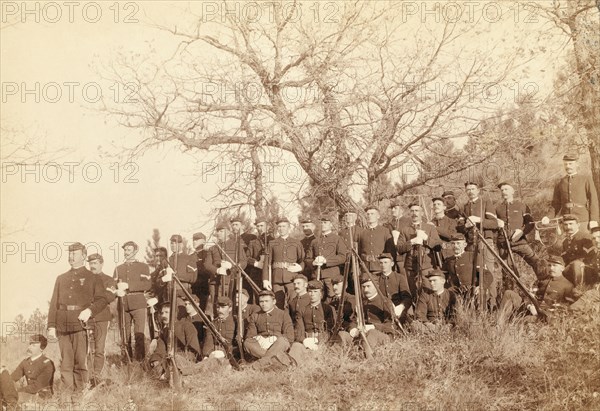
x=445 y=226
x=398 y=220
x=219 y=260
x=419 y=242
x=592 y=272
x=515 y=218
x=350 y=230
x=487 y=224
x=393 y=285
x=256 y=253
x=327 y=253
x=578 y=249
x=460 y=265
x=201 y=286
x=37 y=369
x=575 y=194
x=247 y=309
x=270 y=331
x=314 y=323
x=184 y=265
x=308 y=228
x=225 y=325
x=78 y=295
x=452 y=209
x=236 y=229
x=286 y=260
x=348 y=303
x=437 y=306
x=159 y=288
x=136 y=277
x=372 y=239
x=9 y=397
x=96 y=261
x=301 y=299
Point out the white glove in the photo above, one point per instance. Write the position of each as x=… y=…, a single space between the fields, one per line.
x=395 y=235
x=217 y=354
x=222 y=271
x=295 y=268
x=500 y=223
x=226 y=265
x=151 y=302
x=311 y=343
x=265 y=342
x=545 y=220
x=517 y=234
x=475 y=219
x=369 y=327
x=85 y=315
x=168 y=276
x=122 y=286
x=120 y=293
x=258 y=264
x=532 y=309
x=593 y=224
x=354 y=332
x=267 y=285
x=152 y=347
x=52 y=333
x=422 y=234
x=416 y=240
x=319 y=260
x=398 y=310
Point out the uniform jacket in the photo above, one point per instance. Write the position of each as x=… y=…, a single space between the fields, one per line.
x=490 y=225
x=108 y=283
x=555 y=290
x=333 y=249
x=276 y=322
x=297 y=304
x=281 y=250
x=348 y=309
x=319 y=319
x=432 y=307
x=371 y=243
x=39 y=374
x=345 y=234
x=515 y=215
x=433 y=243
x=579 y=247
x=78 y=288
x=215 y=256
x=395 y=287
x=576 y=195
x=377 y=312
x=186 y=268
x=186 y=340
x=396 y=223
x=137 y=275
x=226 y=328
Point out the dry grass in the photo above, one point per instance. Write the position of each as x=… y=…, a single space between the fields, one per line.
x=483 y=363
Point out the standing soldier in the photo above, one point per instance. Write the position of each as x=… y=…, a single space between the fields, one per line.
x=327 y=253
x=445 y=225
x=372 y=239
x=257 y=250
x=78 y=295
x=137 y=277
x=200 y=287
x=578 y=250
x=219 y=260
x=398 y=221
x=159 y=287
x=308 y=228
x=350 y=230
x=452 y=209
x=516 y=220
x=419 y=242
x=236 y=229
x=575 y=194
x=286 y=256
x=184 y=265
x=96 y=261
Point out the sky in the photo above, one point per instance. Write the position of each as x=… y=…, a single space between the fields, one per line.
x=85 y=188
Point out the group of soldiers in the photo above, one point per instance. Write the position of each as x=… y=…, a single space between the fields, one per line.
x=271 y=299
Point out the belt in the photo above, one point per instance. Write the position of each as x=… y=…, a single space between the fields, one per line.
x=313 y=334
x=572 y=205
x=70 y=307
x=281 y=265
x=135 y=292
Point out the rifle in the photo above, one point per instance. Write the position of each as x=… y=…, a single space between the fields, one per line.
x=152 y=326
x=255 y=287
x=417 y=251
x=360 y=315
x=240 y=284
x=172 y=370
x=340 y=310
x=90 y=341
x=510 y=251
x=122 y=331
x=211 y=327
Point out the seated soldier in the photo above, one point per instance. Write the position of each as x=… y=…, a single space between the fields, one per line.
x=301 y=299
x=187 y=347
x=38 y=371
x=348 y=303
x=225 y=325
x=578 y=250
x=247 y=309
x=435 y=307
x=592 y=270
x=393 y=285
x=378 y=317
x=270 y=331
x=313 y=323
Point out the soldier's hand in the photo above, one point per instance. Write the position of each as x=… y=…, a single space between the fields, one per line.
x=354 y=332
x=85 y=315
x=422 y=234
x=593 y=224
x=258 y=264
x=120 y=293
x=500 y=223
x=475 y=219
x=294 y=268
x=319 y=260
x=222 y=271
x=398 y=310
x=416 y=240
x=516 y=235
x=226 y=265
x=369 y=327
x=189 y=309
x=545 y=220
x=267 y=285
x=251 y=261
x=154 y=363
x=52 y=333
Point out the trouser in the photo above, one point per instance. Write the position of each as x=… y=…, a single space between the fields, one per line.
x=284 y=293
x=8 y=391
x=526 y=252
x=329 y=293
x=139 y=324
x=73 y=355
x=253 y=348
x=100 y=334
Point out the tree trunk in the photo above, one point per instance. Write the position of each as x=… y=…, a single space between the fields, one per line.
x=259 y=188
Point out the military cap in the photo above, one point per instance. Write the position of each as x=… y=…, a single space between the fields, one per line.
x=261 y=219
x=556 y=259
x=337 y=280
x=458 y=237
x=571 y=156
x=504 y=183
x=221 y=226
x=130 y=243
x=448 y=193
x=300 y=277
x=235 y=219
x=165 y=303
x=325 y=217
x=315 y=285
x=198 y=236
x=570 y=217
x=371 y=207
x=347 y=211
x=594 y=230
x=471 y=183
x=385 y=255
x=38 y=339
x=413 y=204
x=95 y=256
x=436 y=272
x=245 y=292
x=266 y=292
x=223 y=300
x=395 y=203
x=434 y=199
x=365 y=279
x=282 y=220
x=305 y=220
x=76 y=246
x=176 y=238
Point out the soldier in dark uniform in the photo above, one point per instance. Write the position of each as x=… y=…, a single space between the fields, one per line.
x=159 y=288
x=348 y=303
x=137 y=277
x=515 y=217
x=452 y=209
x=78 y=295
x=437 y=306
x=578 y=250
x=37 y=369
x=308 y=228
x=301 y=299
x=201 y=286
x=459 y=269
x=185 y=266
x=225 y=325
x=398 y=221
x=236 y=229
x=592 y=272
x=418 y=241
x=219 y=260
x=102 y=320
x=286 y=256
x=372 y=239
x=256 y=254
x=349 y=235
x=576 y=194
x=393 y=285
x=327 y=252
x=445 y=226
x=247 y=309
